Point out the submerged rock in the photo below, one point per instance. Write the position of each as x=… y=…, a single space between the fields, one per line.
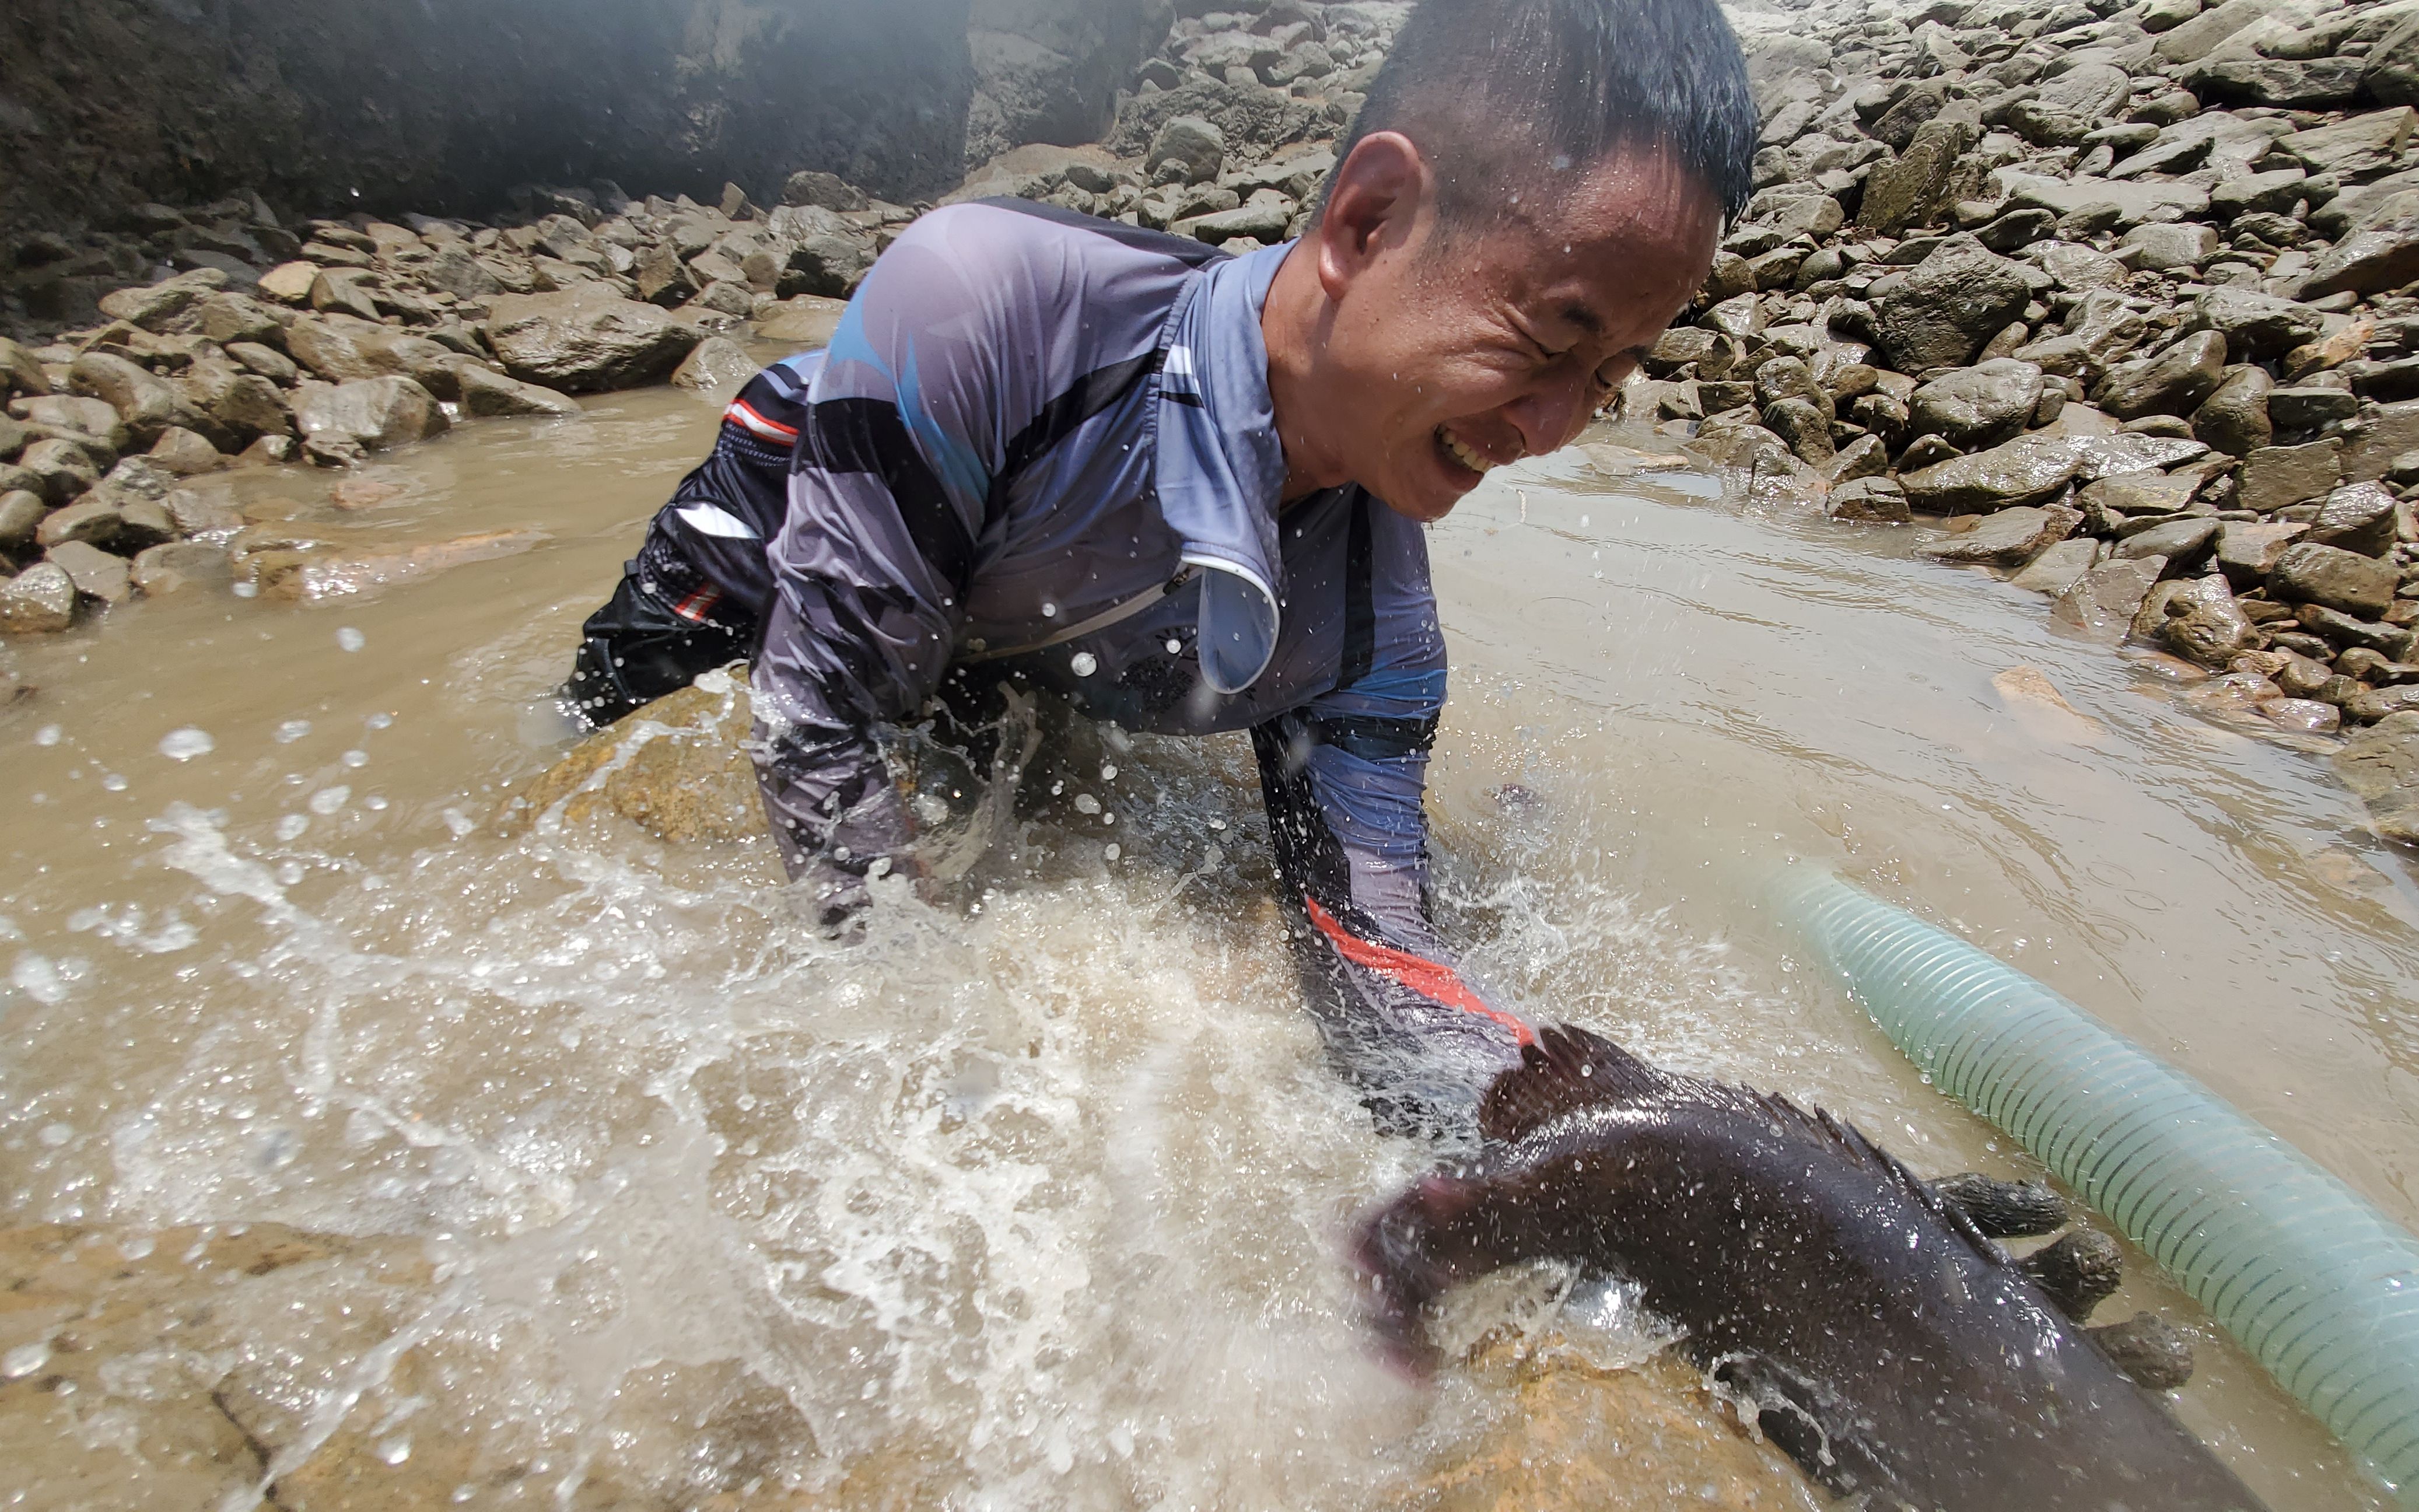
x=678 y=768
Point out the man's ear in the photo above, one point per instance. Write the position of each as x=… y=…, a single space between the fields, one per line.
x=1379 y=191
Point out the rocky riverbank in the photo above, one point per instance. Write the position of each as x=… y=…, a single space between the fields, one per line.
x=2119 y=298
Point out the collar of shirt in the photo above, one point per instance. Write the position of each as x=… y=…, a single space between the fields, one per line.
x=1218 y=465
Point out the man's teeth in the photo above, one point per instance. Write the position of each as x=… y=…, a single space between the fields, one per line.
x=1461 y=454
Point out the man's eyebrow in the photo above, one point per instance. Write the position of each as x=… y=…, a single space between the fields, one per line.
x=1583 y=317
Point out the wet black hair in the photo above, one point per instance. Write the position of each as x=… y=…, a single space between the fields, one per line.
x=1501 y=95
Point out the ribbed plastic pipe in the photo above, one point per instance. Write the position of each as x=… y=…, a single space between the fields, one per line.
x=2317 y=1284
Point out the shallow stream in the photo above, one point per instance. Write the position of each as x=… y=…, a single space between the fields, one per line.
x=1040 y=1201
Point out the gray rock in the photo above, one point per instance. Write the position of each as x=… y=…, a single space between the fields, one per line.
x=1197 y=144
x=2180 y=542
x=2234 y=419
x=2071 y=105
x=2166 y=246
x=20 y=371
x=2035 y=468
x=2133 y=202
x=2392 y=641
x=345 y=291
x=2306 y=573
x=147 y=404
x=828 y=263
x=2379 y=254
x=63 y=468
x=2104 y=601
x=2381 y=764
x=267 y=362
x=2356 y=517
x=1944 y=310
x=162 y=306
x=2379 y=436
x=185 y=453
x=1871 y=501
x=97 y=575
x=2247 y=549
x=240 y=406
x=1977 y=406
x=2195 y=39
x=2292 y=84
x=2391 y=74
x=2173 y=382
x=2274 y=192
x=374 y=414
x=1906 y=192
x=160 y=570
x=488 y=395
x=2006 y=538
x=2114 y=499
x=808 y=185
x=2078 y=267
x=2356 y=148
x=2254 y=325
x=587 y=339
x=40 y=599
x=1262 y=220
x=2276 y=476
x=2058 y=567
x=717 y=363
x=20 y=514
x=96 y=418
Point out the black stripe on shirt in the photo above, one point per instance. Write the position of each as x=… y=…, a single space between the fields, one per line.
x=867 y=436
x=1360 y=596
x=1094 y=392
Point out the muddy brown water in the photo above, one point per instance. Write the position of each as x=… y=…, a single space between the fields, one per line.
x=1037 y=1197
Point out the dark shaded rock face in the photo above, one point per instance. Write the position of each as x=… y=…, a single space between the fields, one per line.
x=1049 y=70
x=444 y=105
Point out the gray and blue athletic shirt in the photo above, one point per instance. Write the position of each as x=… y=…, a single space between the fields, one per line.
x=1046 y=440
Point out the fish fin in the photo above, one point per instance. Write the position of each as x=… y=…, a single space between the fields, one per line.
x=1566 y=1069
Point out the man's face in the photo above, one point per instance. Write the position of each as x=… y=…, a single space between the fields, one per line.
x=1452 y=351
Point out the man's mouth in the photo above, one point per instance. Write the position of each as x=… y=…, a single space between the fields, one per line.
x=1453 y=447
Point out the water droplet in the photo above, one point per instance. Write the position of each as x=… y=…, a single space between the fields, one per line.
x=113 y=782
x=327 y=800
x=291 y=826
x=1217 y=824
x=1049 y=612
x=186 y=744
x=1086 y=803
x=379 y=721
x=357 y=757
x=1109 y=772
x=1175 y=647
x=1085 y=664
x=292 y=731
x=350 y=638
x=25 y=1360
x=394 y=1451
x=1110 y=850
x=47 y=735
x=55 y=1134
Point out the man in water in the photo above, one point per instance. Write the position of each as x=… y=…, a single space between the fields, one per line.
x=1183 y=491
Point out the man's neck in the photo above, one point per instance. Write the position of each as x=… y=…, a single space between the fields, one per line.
x=1291 y=322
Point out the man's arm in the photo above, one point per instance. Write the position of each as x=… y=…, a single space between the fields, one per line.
x=887 y=495
x=1343 y=780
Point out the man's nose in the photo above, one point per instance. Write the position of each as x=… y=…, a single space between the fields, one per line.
x=1549 y=416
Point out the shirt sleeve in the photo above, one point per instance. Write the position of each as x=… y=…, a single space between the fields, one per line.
x=889 y=490
x=1344 y=778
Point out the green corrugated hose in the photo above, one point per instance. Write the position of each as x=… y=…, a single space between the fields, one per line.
x=2317 y=1284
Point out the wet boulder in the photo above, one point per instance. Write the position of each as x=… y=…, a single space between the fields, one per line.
x=2234 y=418
x=2173 y=382
x=1195 y=148
x=2381 y=765
x=38 y=600
x=1943 y=310
x=2007 y=538
x=367 y=414
x=1977 y=406
x=147 y=404
x=678 y=768
x=167 y=306
x=2357 y=518
x=2381 y=253
x=587 y=339
x=2254 y=325
x=487 y=393
x=2275 y=477
x=2306 y=571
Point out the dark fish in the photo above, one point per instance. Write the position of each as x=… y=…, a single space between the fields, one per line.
x=1891 y=1350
